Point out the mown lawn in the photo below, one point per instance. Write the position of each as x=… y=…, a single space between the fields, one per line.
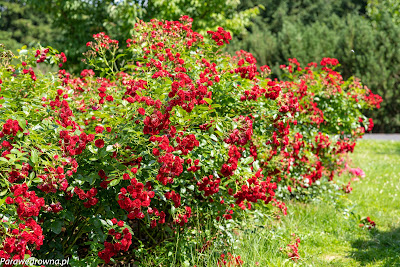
x=329 y=229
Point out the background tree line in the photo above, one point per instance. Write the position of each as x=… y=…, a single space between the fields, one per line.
x=363 y=35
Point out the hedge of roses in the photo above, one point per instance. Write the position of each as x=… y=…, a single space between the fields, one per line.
x=157 y=135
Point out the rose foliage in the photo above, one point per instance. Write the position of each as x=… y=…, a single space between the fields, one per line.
x=157 y=134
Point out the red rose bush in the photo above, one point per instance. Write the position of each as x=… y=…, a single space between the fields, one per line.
x=158 y=134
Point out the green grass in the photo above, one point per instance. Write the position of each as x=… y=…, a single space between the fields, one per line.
x=329 y=231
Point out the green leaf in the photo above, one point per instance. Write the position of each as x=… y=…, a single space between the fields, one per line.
x=115 y=182
x=256 y=165
x=37 y=180
x=219 y=133
x=110 y=148
x=68 y=215
x=34 y=156
x=208 y=100
x=191 y=187
x=2 y=193
x=93 y=149
x=213 y=137
x=247 y=160
x=120 y=55
x=22 y=123
x=2 y=159
x=173 y=209
x=56 y=226
x=2 y=200
x=218 y=126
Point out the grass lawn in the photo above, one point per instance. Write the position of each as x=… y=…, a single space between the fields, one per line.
x=329 y=230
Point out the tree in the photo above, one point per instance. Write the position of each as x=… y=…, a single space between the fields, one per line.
x=377 y=10
x=78 y=20
x=19 y=26
x=206 y=14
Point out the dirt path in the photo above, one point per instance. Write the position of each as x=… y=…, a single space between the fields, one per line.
x=393 y=137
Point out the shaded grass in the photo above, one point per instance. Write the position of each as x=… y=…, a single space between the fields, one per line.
x=329 y=231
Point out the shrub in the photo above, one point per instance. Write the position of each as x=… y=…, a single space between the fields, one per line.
x=159 y=138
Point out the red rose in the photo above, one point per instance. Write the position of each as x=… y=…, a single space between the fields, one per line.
x=90 y=137
x=9 y=200
x=156 y=152
x=99 y=143
x=99 y=129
